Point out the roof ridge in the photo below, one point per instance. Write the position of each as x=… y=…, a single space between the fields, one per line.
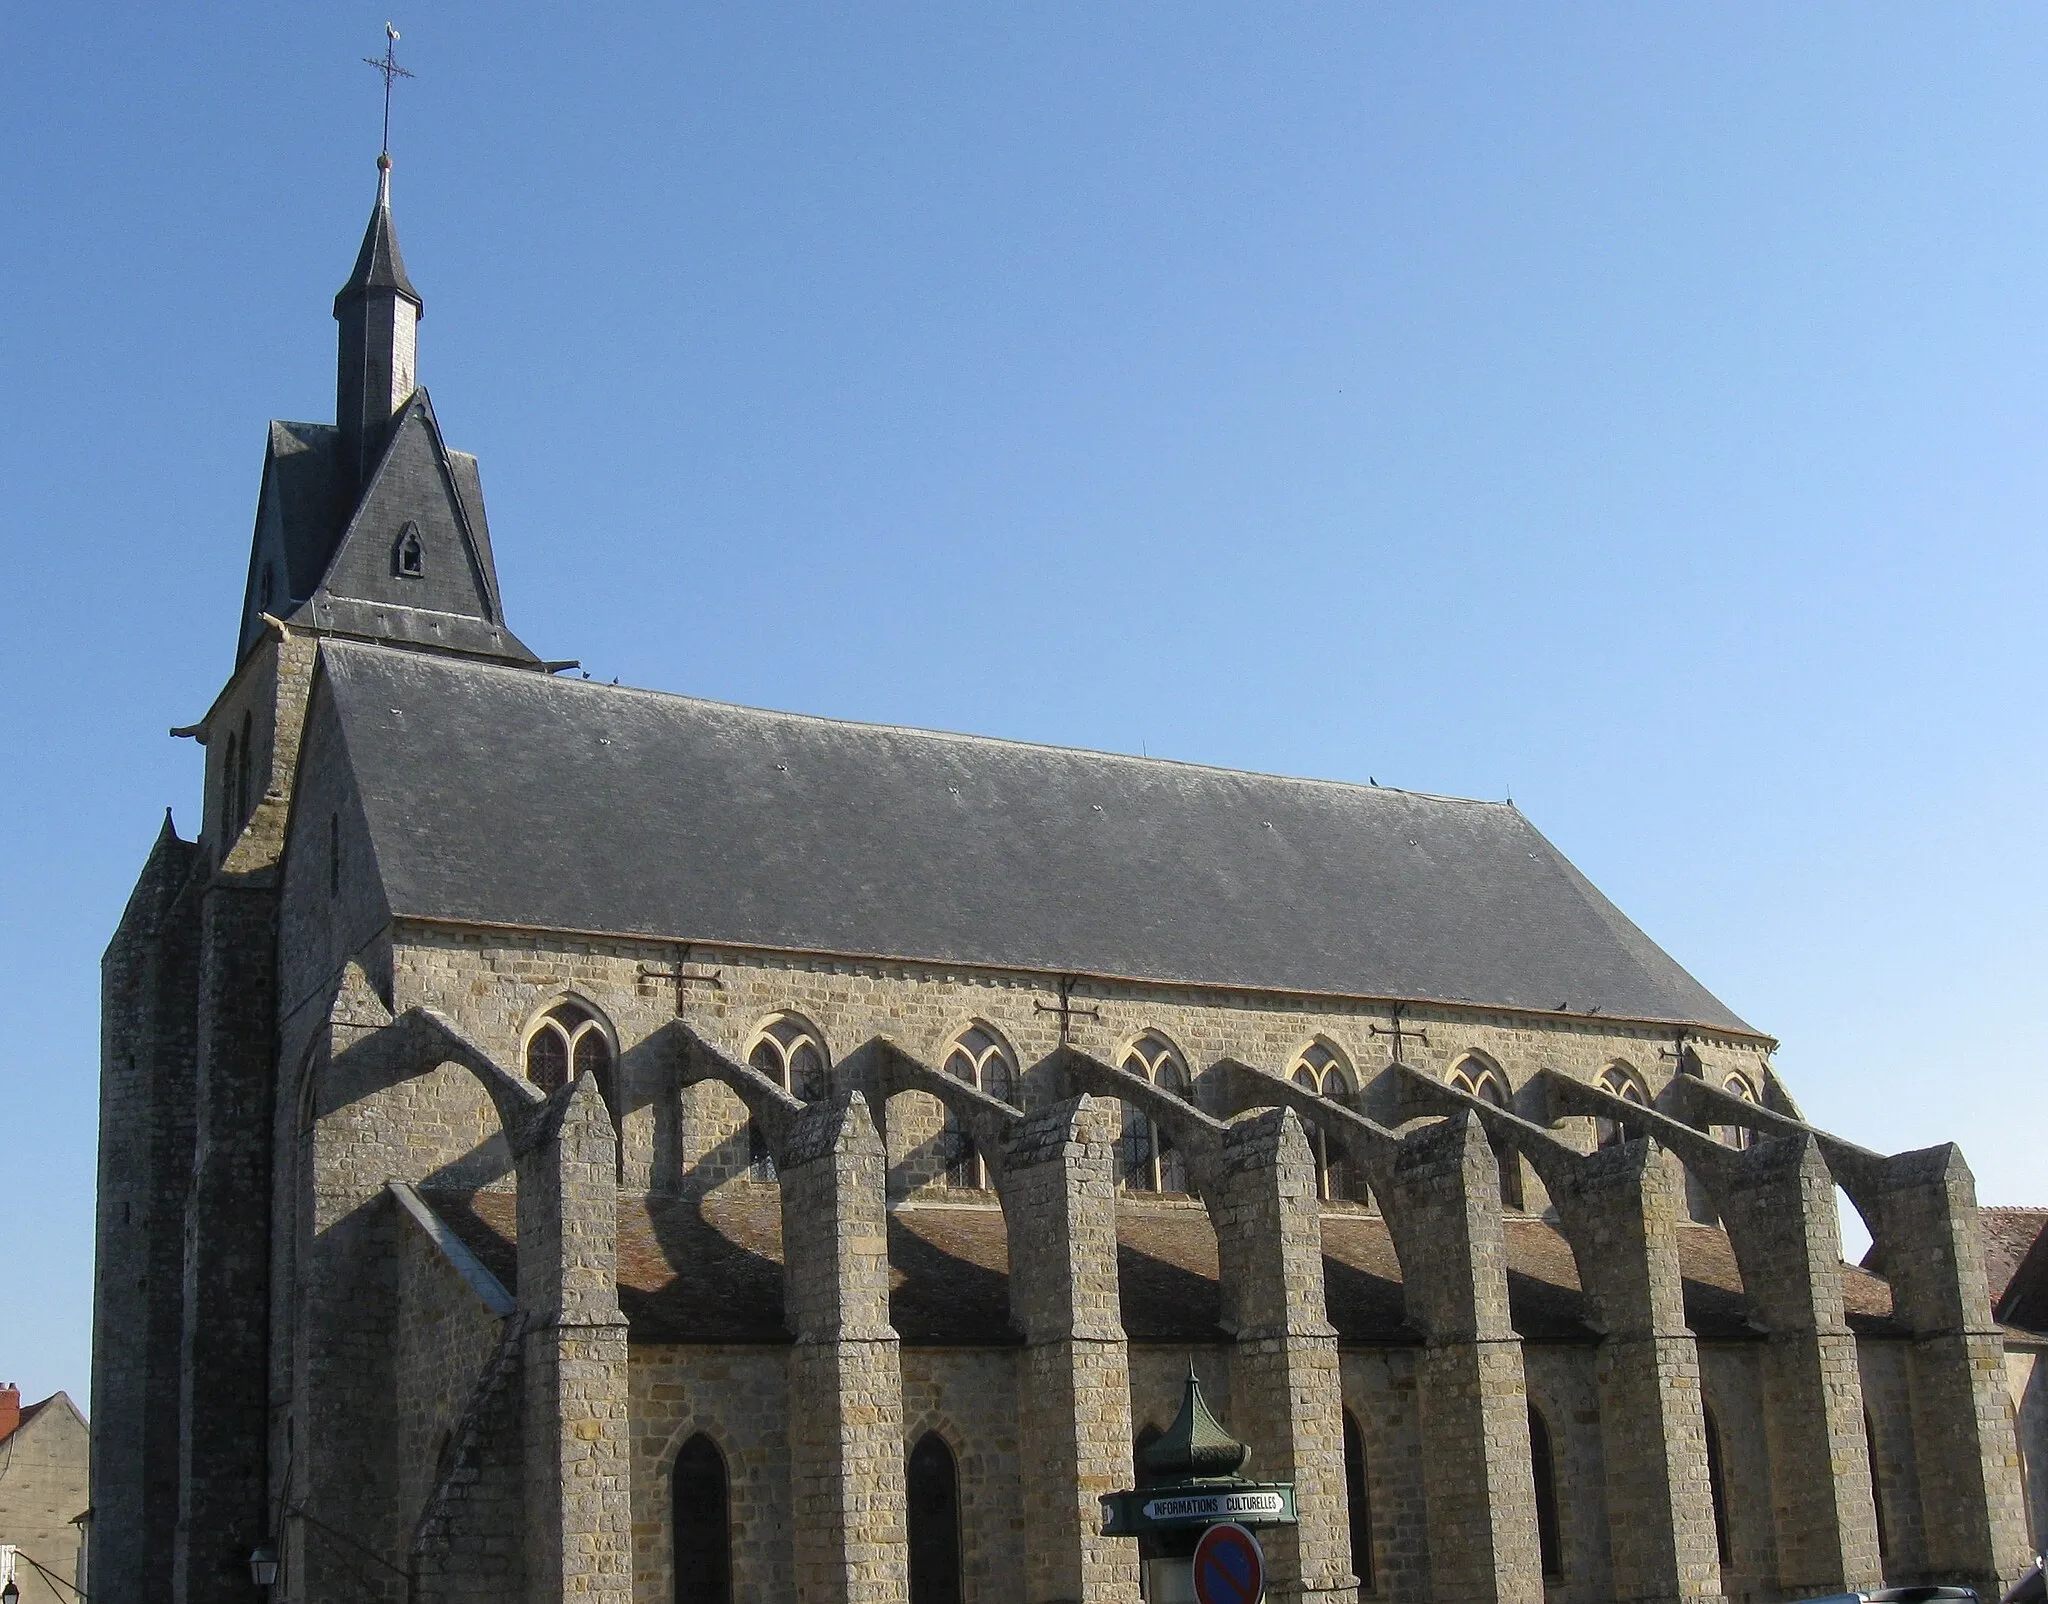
x=965 y=737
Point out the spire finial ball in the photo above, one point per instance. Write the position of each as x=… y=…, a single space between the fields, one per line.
x=384 y=161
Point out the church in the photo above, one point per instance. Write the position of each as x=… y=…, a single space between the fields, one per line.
x=564 y=1141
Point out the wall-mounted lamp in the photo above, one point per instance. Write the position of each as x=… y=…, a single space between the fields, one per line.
x=262 y=1566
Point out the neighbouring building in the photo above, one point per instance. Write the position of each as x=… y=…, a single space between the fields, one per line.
x=564 y=1141
x=45 y=1473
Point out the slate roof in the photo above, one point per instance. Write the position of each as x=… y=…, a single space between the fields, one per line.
x=305 y=529
x=508 y=797
x=708 y=1269
x=379 y=264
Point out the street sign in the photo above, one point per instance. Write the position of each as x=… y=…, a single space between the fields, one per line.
x=1185 y=1504
x=1230 y=1567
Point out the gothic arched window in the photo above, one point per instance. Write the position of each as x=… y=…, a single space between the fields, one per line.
x=789 y=1051
x=1738 y=1136
x=932 y=1500
x=703 y=1524
x=1321 y=1071
x=1358 y=1501
x=1717 y=1485
x=569 y=1041
x=1151 y=1163
x=1619 y=1080
x=978 y=1059
x=1543 y=1465
x=1479 y=1079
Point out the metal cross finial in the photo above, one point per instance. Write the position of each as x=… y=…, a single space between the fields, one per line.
x=390 y=68
x=1400 y=1033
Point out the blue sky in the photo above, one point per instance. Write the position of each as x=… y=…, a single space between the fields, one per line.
x=1634 y=408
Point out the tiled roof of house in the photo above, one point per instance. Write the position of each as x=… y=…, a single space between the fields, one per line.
x=708 y=1269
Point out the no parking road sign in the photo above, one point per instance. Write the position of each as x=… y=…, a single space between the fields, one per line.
x=1230 y=1567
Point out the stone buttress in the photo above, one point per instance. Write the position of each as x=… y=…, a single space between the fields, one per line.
x=1256 y=1177
x=1619 y=1209
x=578 y=1535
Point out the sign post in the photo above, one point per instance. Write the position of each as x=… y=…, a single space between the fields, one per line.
x=1194 y=1517
x=1229 y=1566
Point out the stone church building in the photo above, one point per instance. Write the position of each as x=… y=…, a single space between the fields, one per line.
x=562 y=1141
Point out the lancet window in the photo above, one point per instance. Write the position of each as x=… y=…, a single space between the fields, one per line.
x=1321 y=1071
x=1358 y=1502
x=1477 y=1078
x=1738 y=1136
x=1543 y=1466
x=1151 y=1163
x=932 y=1500
x=703 y=1524
x=1717 y=1485
x=791 y=1053
x=1620 y=1081
x=980 y=1060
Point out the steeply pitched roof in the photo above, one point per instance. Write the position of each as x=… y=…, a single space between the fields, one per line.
x=379 y=265
x=331 y=563
x=505 y=797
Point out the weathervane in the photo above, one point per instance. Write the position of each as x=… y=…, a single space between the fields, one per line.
x=390 y=68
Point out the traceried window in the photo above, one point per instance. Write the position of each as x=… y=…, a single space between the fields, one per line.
x=1479 y=1079
x=1619 y=1080
x=1151 y=1163
x=1738 y=1136
x=1319 y=1070
x=569 y=1041
x=703 y=1524
x=791 y=1053
x=979 y=1060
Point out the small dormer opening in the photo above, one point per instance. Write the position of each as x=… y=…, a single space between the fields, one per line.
x=409 y=556
x=266 y=588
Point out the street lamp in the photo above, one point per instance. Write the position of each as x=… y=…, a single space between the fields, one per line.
x=10 y=1594
x=262 y=1566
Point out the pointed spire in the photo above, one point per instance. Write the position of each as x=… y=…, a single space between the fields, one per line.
x=379 y=311
x=379 y=264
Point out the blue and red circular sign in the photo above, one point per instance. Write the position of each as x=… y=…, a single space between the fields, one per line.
x=1230 y=1567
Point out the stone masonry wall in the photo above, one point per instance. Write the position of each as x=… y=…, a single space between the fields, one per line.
x=493 y=985
x=739 y=1398
x=445 y=1339
x=148 y=1053
x=2027 y=1382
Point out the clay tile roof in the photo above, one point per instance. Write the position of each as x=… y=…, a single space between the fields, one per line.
x=2016 y=1266
x=708 y=1269
x=2009 y=1234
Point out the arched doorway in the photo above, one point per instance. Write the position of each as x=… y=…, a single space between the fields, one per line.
x=932 y=1486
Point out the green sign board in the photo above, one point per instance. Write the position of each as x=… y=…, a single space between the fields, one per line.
x=1174 y=1506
